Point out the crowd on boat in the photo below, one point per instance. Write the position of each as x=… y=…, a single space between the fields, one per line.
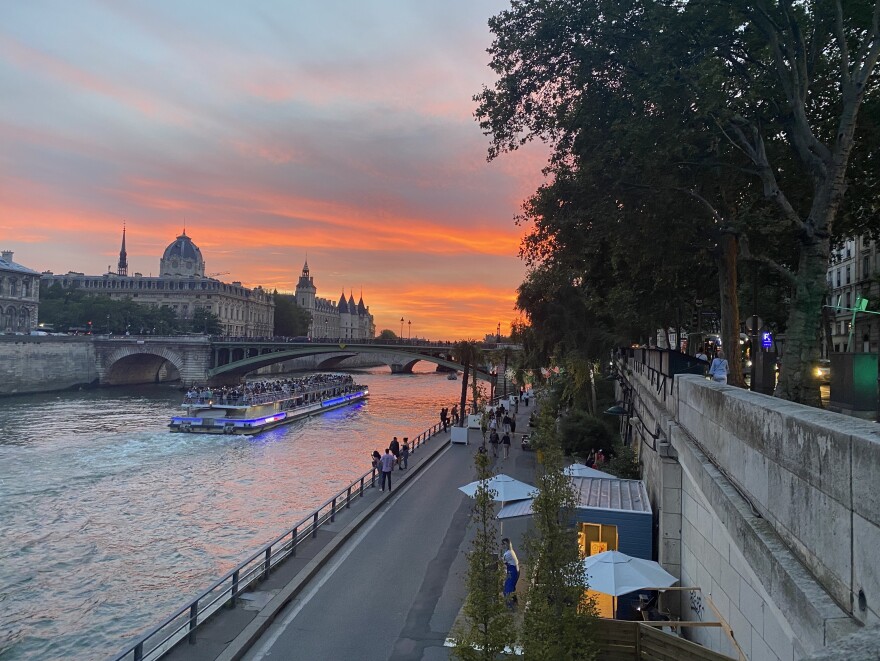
x=261 y=392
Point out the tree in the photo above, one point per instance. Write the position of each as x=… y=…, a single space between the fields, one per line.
x=488 y=624
x=764 y=94
x=558 y=621
x=468 y=354
x=205 y=321
x=387 y=334
x=290 y=319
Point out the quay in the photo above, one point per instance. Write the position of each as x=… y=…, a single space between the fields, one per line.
x=385 y=581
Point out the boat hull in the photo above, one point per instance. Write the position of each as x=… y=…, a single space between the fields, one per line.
x=255 y=419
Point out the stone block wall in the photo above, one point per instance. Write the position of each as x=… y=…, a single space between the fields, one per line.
x=772 y=512
x=41 y=364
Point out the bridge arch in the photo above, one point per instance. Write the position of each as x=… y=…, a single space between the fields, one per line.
x=138 y=365
x=399 y=360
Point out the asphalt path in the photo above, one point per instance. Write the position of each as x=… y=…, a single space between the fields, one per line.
x=396 y=588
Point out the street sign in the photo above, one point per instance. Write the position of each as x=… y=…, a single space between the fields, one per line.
x=749 y=322
x=767 y=339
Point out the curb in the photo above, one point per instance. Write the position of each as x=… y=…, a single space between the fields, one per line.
x=240 y=645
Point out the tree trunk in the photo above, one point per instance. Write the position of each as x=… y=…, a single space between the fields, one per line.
x=464 y=385
x=802 y=331
x=727 y=282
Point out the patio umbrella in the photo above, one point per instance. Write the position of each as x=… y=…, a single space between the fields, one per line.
x=616 y=573
x=513 y=510
x=505 y=487
x=579 y=470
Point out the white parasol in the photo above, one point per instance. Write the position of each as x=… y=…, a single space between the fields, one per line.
x=616 y=573
x=505 y=487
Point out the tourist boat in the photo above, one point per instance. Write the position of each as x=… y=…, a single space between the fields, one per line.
x=253 y=408
x=452 y=376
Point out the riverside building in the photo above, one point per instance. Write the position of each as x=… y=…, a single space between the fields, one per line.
x=19 y=296
x=182 y=286
x=343 y=320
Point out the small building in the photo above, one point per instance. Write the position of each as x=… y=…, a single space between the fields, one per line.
x=19 y=296
x=613 y=515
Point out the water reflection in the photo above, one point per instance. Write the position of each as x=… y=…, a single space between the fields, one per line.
x=109 y=522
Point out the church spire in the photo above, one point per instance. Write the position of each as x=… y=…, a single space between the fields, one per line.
x=122 y=267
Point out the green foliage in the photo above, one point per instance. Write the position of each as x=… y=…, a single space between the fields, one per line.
x=488 y=625
x=580 y=432
x=205 y=321
x=65 y=309
x=623 y=462
x=387 y=334
x=290 y=319
x=559 y=616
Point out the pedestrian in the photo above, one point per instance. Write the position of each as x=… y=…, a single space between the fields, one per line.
x=387 y=466
x=444 y=418
x=455 y=414
x=701 y=355
x=404 y=454
x=505 y=422
x=600 y=457
x=591 y=459
x=505 y=444
x=526 y=399
x=511 y=564
x=493 y=441
x=493 y=425
x=719 y=369
x=377 y=465
x=512 y=426
x=394 y=446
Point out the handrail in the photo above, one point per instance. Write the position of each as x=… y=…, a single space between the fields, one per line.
x=185 y=620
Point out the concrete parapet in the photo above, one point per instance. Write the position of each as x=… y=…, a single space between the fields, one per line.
x=779 y=512
x=31 y=364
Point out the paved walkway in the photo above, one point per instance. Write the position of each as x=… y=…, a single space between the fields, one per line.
x=386 y=581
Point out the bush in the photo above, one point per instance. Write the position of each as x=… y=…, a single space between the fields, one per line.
x=581 y=432
x=623 y=463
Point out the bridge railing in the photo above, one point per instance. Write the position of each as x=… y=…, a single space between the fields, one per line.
x=224 y=593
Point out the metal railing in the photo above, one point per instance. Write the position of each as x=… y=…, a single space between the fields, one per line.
x=223 y=593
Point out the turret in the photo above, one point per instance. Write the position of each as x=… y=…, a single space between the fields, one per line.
x=305 y=289
x=122 y=266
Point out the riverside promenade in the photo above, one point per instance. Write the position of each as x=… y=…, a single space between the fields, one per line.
x=385 y=581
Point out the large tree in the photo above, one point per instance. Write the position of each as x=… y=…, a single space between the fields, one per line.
x=768 y=91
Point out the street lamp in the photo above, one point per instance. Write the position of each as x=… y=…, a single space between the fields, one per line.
x=401 y=327
x=409 y=330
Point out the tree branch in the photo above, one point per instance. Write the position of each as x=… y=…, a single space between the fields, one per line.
x=746 y=254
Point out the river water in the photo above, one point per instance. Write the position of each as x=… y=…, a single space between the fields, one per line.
x=108 y=522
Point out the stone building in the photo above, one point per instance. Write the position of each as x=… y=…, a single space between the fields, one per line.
x=19 y=296
x=853 y=272
x=182 y=286
x=343 y=320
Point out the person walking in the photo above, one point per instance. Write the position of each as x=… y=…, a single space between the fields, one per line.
x=404 y=454
x=701 y=355
x=505 y=444
x=377 y=464
x=493 y=441
x=505 y=423
x=387 y=466
x=455 y=414
x=512 y=426
x=394 y=446
x=719 y=369
x=511 y=564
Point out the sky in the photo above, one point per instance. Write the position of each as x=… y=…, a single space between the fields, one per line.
x=274 y=131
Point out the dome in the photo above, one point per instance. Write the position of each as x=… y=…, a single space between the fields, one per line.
x=182 y=258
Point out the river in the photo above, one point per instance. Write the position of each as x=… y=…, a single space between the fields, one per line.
x=110 y=522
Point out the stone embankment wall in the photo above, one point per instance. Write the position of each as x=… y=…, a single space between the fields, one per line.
x=770 y=507
x=43 y=364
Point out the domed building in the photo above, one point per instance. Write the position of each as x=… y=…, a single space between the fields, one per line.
x=182 y=286
x=182 y=259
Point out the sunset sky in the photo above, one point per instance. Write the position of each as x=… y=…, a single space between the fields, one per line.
x=273 y=130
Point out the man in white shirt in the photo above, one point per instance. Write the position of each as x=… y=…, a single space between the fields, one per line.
x=511 y=563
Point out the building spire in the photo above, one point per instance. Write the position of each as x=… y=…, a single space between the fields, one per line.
x=122 y=266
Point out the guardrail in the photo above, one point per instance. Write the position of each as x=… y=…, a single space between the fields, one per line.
x=184 y=622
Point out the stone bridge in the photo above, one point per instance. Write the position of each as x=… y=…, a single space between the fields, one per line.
x=192 y=360
x=768 y=506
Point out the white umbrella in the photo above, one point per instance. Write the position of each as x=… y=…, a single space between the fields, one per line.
x=519 y=508
x=579 y=470
x=616 y=573
x=505 y=487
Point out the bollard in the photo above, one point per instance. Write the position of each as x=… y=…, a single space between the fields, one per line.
x=293 y=540
x=333 y=511
x=362 y=487
x=268 y=563
x=348 y=498
x=193 y=621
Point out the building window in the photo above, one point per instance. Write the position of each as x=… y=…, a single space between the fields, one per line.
x=849 y=299
x=866 y=267
x=848 y=274
x=838 y=277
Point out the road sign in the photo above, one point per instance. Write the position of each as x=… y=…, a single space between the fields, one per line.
x=749 y=322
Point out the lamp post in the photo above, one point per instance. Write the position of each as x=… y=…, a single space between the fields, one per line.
x=409 y=329
x=401 y=328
